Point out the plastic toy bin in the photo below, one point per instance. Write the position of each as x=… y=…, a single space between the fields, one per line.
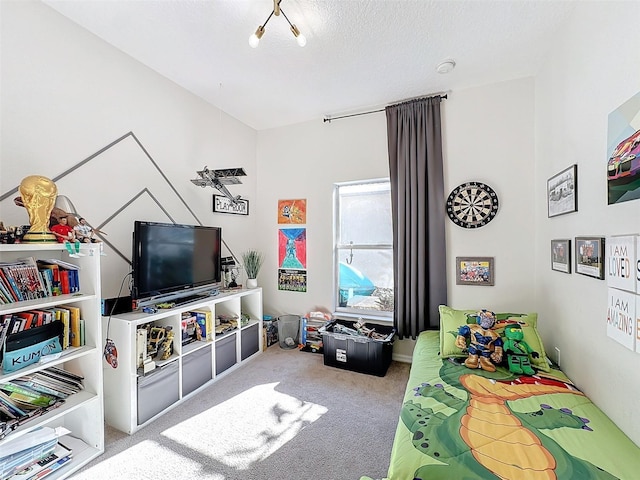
x=358 y=353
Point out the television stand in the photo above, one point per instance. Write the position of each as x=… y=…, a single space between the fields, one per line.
x=134 y=399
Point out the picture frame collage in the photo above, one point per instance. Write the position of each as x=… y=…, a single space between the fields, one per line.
x=588 y=256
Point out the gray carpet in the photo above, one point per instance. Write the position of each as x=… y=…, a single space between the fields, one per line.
x=282 y=415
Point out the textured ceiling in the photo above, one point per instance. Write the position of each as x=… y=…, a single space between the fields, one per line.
x=360 y=54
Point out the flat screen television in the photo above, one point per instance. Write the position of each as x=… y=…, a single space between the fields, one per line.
x=170 y=258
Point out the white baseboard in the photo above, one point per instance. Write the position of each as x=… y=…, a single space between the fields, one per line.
x=401 y=358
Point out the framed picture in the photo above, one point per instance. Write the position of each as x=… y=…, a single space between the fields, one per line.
x=562 y=192
x=590 y=256
x=222 y=204
x=475 y=271
x=561 y=255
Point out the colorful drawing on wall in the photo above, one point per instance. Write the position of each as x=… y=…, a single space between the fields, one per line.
x=292 y=211
x=623 y=147
x=292 y=248
x=293 y=280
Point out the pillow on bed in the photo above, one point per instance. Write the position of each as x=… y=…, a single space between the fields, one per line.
x=451 y=320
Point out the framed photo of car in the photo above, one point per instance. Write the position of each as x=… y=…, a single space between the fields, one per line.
x=562 y=192
x=475 y=271
x=561 y=255
x=590 y=256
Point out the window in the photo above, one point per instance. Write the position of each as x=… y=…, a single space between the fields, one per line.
x=363 y=249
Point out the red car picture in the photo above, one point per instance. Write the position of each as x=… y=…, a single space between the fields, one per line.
x=624 y=163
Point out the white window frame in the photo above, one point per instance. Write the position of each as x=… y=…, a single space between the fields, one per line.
x=346 y=312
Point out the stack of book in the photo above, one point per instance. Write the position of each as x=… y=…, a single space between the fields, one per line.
x=35 y=455
x=31 y=395
x=30 y=279
x=69 y=315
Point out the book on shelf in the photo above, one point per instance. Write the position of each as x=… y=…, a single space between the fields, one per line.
x=74 y=324
x=47 y=465
x=64 y=315
x=70 y=380
x=63 y=264
x=22 y=394
x=31 y=279
x=18 y=461
x=52 y=272
x=52 y=381
x=11 y=285
x=204 y=319
x=40 y=388
x=24 y=278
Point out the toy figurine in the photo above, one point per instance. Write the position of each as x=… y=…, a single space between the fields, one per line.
x=65 y=234
x=518 y=350
x=485 y=345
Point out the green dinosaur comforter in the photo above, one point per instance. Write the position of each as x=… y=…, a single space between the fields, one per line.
x=458 y=423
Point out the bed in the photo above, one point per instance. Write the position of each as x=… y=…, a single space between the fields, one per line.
x=458 y=423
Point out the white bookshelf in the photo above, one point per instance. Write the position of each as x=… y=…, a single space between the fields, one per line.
x=132 y=399
x=81 y=413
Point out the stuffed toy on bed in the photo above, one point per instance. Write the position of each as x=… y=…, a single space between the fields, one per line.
x=518 y=350
x=485 y=345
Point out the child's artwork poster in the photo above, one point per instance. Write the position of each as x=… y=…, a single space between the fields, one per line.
x=621 y=262
x=292 y=211
x=621 y=317
x=292 y=248
x=293 y=280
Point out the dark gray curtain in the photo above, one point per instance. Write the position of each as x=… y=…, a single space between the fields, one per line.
x=418 y=210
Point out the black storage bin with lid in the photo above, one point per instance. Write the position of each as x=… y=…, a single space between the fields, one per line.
x=355 y=352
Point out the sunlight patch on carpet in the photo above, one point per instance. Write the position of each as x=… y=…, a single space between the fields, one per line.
x=147 y=460
x=246 y=428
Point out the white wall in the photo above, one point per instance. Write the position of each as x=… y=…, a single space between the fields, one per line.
x=590 y=73
x=66 y=94
x=488 y=136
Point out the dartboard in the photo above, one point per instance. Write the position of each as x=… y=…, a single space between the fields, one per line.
x=472 y=205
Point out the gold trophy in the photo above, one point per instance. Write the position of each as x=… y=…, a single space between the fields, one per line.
x=38 y=196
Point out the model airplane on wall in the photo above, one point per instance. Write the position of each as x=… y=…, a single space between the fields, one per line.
x=218 y=179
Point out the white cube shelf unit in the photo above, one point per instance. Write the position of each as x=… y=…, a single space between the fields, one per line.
x=133 y=399
x=81 y=413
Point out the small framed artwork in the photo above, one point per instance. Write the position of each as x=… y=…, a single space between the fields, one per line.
x=562 y=192
x=590 y=256
x=561 y=255
x=475 y=271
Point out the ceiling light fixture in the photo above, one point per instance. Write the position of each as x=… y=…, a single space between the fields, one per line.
x=254 y=39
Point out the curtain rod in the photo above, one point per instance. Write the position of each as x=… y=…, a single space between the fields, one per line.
x=442 y=95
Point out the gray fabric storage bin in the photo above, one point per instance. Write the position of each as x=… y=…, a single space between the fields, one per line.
x=249 y=341
x=225 y=353
x=197 y=369
x=157 y=391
